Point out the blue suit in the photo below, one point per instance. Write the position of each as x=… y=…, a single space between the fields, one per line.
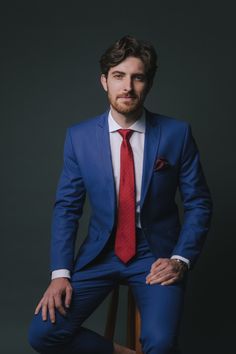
x=88 y=169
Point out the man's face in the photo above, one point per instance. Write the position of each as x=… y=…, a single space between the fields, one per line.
x=126 y=85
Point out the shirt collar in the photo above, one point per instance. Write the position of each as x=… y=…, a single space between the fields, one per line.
x=138 y=126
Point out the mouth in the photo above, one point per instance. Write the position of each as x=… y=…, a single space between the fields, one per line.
x=127 y=98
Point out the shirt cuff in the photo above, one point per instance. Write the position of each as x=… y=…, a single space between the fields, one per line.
x=60 y=273
x=185 y=260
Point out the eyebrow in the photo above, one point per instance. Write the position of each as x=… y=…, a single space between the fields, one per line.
x=117 y=72
x=123 y=73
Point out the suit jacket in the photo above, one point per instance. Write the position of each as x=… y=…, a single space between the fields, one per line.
x=88 y=170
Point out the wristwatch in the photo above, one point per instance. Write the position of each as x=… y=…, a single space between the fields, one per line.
x=181 y=262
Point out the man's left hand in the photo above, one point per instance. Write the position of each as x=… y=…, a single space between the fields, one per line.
x=166 y=271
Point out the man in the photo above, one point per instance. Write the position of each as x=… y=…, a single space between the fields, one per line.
x=130 y=163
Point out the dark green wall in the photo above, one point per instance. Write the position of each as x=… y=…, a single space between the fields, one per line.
x=50 y=80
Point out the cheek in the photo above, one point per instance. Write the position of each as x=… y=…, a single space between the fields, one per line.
x=141 y=90
x=114 y=89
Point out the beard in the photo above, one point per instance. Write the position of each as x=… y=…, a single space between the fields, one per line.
x=126 y=107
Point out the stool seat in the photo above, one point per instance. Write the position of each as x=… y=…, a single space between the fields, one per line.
x=133 y=319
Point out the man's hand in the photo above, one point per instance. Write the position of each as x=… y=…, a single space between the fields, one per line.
x=166 y=271
x=58 y=295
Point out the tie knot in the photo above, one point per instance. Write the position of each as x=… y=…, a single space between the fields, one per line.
x=125 y=133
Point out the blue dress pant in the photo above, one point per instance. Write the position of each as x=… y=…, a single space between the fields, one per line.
x=160 y=307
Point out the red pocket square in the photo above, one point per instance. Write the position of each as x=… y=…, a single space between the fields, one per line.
x=161 y=164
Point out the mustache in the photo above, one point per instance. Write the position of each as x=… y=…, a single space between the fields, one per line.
x=126 y=96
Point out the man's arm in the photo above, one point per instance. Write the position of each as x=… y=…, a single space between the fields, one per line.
x=197 y=205
x=68 y=209
x=197 y=202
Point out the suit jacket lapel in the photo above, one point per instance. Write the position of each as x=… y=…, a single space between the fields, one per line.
x=151 y=145
x=103 y=140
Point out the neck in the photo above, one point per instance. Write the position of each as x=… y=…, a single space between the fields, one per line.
x=125 y=120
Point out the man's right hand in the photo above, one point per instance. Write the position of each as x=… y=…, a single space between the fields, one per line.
x=57 y=296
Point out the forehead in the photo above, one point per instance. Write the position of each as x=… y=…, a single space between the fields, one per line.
x=129 y=65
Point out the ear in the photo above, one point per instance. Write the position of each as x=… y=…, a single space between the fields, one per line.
x=104 y=82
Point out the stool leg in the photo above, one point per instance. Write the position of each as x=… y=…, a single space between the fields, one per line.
x=133 y=321
x=130 y=341
x=138 y=347
x=112 y=313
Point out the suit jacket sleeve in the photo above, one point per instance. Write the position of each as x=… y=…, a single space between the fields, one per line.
x=196 y=200
x=68 y=208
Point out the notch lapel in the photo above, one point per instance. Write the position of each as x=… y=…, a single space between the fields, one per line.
x=151 y=145
x=103 y=141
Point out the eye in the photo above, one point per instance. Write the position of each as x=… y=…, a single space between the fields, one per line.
x=139 y=77
x=118 y=76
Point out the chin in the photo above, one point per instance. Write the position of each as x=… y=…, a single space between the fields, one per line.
x=126 y=109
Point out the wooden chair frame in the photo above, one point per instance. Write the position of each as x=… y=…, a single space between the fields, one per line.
x=133 y=320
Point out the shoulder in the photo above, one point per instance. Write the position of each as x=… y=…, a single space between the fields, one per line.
x=86 y=128
x=87 y=123
x=167 y=121
x=171 y=128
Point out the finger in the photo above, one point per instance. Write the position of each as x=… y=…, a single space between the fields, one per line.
x=68 y=296
x=161 y=278
x=159 y=266
x=155 y=271
x=44 y=311
x=157 y=262
x=51 y=309
x=168 y=276
x=156 y=274
x=38 y=307
x=165 y=262
x=170 y=281
x=59 y=306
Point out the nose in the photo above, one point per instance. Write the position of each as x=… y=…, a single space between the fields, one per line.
x=128 y=85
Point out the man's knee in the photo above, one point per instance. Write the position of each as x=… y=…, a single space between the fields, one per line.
x=36 y=337
x=45 y=337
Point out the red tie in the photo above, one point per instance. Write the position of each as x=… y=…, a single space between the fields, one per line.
x=125 y=240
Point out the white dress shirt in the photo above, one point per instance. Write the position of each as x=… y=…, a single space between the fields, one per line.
x=137 y=144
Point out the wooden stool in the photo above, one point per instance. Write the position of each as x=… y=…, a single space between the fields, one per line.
x=133 y=320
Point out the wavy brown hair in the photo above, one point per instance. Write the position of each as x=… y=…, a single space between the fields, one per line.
x=130 y=46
